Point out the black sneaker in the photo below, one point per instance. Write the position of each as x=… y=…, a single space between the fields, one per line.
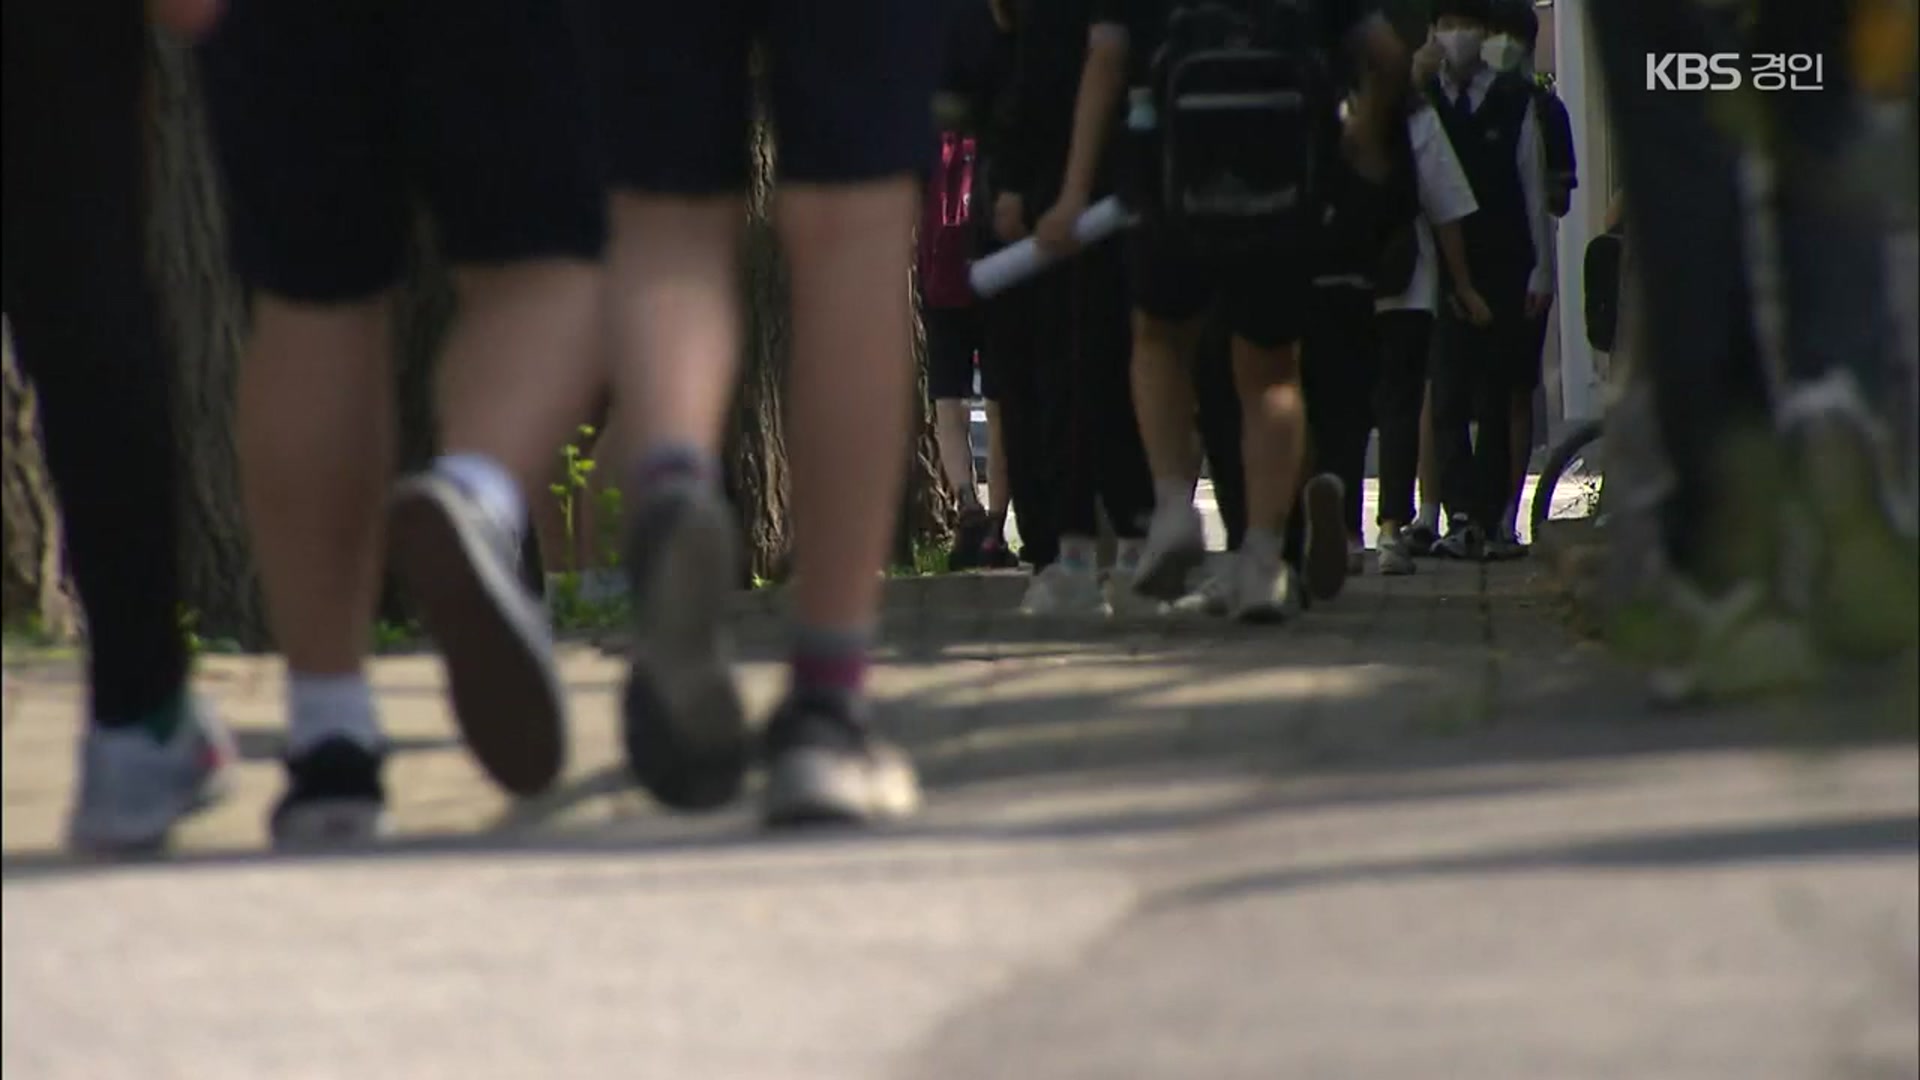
x=824 y=766
x=1325 y=559
x=334 y=797
x=463 y=572
x=969 y=541
x=685 y=730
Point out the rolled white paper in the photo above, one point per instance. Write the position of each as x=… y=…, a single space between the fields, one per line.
x=1016 y=262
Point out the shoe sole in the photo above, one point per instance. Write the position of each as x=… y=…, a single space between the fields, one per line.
x=1326 y=555
x=819 y=788
x=493 y=637
x=685 y=729
x=329 y=824
x=1165 y=579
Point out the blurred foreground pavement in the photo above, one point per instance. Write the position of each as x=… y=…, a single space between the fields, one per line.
x=1422 y=833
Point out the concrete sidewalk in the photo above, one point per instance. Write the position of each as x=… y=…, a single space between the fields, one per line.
x=1419 y=834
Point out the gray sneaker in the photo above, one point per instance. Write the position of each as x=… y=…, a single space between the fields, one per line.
x=462 y=570
x=133 y=787
x=684 y=726
x=826 y=767
x=1396 y=556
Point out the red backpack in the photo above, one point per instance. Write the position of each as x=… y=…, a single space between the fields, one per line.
x=944 y=229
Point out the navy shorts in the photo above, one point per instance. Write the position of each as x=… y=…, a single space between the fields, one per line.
x=1262 y=300
x=849 y=84
x=333 y=119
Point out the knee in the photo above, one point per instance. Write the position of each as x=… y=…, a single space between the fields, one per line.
x=815 y=219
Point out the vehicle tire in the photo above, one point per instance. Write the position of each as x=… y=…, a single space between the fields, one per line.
x=1571 y=448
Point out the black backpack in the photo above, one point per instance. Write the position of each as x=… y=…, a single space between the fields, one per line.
x=1241 y=102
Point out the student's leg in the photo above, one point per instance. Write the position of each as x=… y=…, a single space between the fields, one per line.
x=851 y=92
x=677 y=108
x=1068 y=450
x=1523 y=384
x=1121 y=477
x=513 y=178
x=1403 y=339
x=952 y=341
x=318 y=217
x=999 y=477
x=1427 y=520
x=1266 y=310
x=1219 y=413
x=82 y=317
x=1010 y=345
x=1170 y=294
x=1458 y=363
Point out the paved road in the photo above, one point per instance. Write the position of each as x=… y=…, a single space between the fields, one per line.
x=1419 y=834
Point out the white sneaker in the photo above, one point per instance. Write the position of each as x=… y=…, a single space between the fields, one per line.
x=1064 y=590
x=1326 y=559
x=1264 y=592
x=1124 y=600
x=134 y=788
x=1175 y=546
x=1214 y=596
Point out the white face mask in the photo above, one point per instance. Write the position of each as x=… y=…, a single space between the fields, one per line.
x=1462 y=47
x=1503 y=52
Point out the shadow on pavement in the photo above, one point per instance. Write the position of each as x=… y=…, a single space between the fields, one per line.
x=1894 y=834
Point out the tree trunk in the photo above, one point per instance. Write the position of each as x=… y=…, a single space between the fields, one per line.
x=203 y=315
x=756 y=455
x=926 y=504
x=33 y=589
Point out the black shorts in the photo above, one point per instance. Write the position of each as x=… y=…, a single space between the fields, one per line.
x=954 y=339
x=330 y=118
x=850 y=85
x=1262 y=300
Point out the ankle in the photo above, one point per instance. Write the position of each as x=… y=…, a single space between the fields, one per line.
x=830 y=662
x=320 y=707
x=674 y=463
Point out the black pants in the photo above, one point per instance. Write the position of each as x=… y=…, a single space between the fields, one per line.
x=1404 y=337
x=1009 y=347
x=1091 y=447
x=1339 y=366
x=1473 y=384
x=83 y=321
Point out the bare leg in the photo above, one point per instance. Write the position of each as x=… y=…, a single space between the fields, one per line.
x=852 y=337
x=675 y=317
x=1273 y=430
x=1163 y=398
x=315 y=431
x=520 y=364
x=951 y=420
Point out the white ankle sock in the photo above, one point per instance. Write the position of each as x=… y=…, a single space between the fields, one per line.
x=1126 y=554
x=1262 y=545
x=1428 y=516
x=320 y=707
x=489 y=484
x=1172 y=492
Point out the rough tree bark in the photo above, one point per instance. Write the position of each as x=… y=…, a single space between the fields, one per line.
x=756 y=454
x=203 y=314
x=33 y=588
